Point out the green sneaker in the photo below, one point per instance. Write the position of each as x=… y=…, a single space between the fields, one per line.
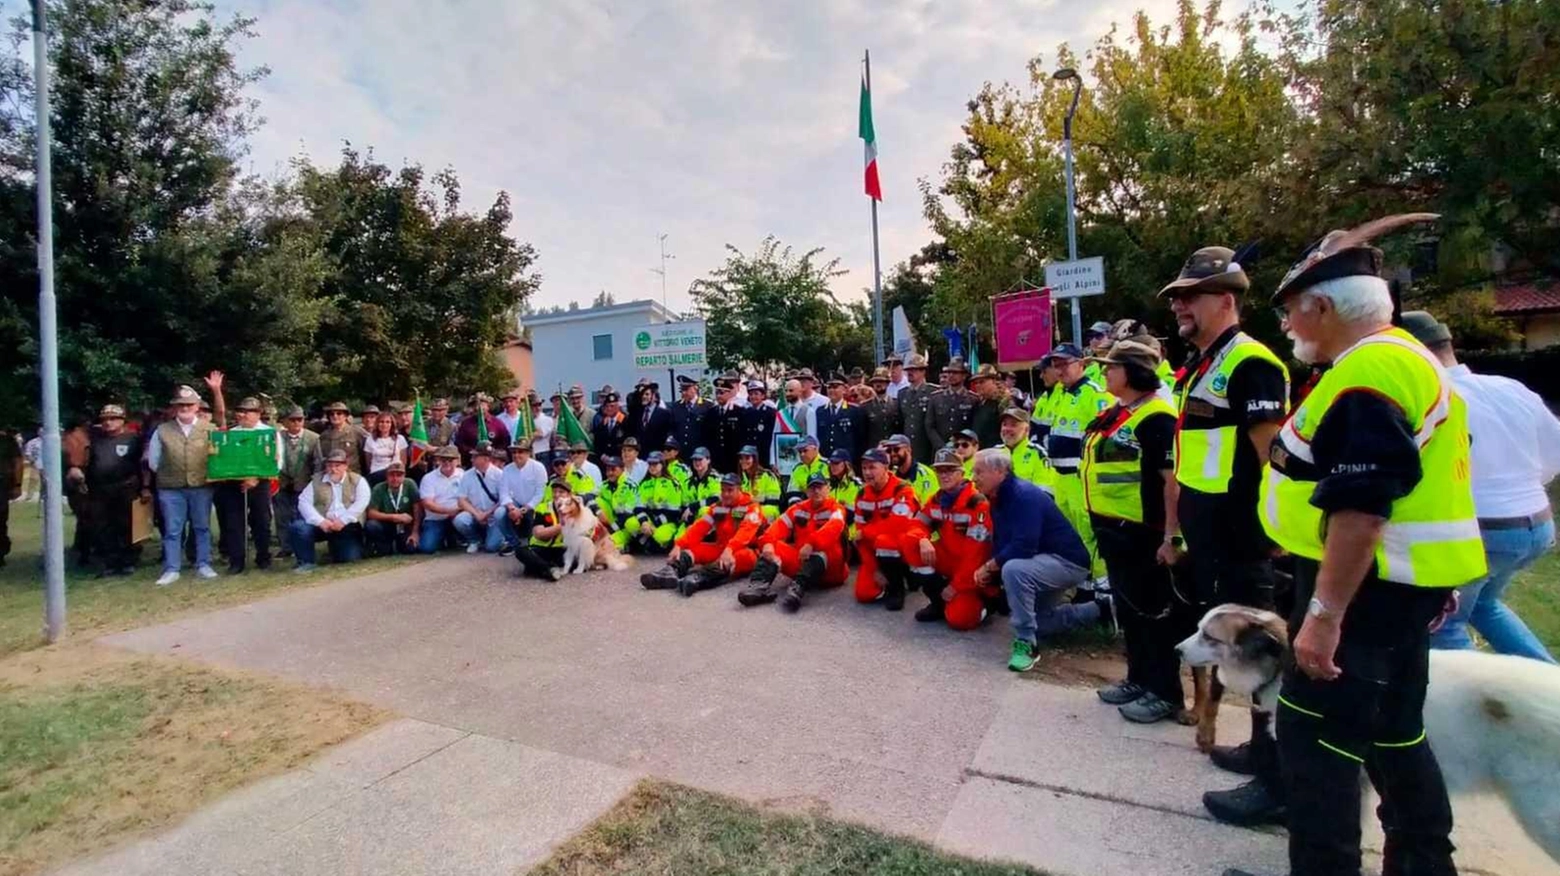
x=1025 y=656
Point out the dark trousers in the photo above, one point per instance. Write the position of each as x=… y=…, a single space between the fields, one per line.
x=384 y=539
x=1372 y=717
x=76 y=499
x=284 y=510
x=1227 y=562
x=238 y=508
x=1154 y=614
x=110 y=525
x=538 y=561
x=5 y=522
x=345 y=546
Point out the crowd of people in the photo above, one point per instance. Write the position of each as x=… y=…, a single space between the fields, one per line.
x=1124 y=493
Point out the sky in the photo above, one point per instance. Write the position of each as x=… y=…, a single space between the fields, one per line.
x=609 y=123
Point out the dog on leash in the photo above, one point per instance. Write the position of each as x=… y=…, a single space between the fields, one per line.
x=1494 y=721
x=586 y=545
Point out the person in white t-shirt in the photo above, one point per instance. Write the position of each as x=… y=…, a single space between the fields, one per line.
x=440 y=492
x=897 y=379
x=382 y=447
x=521 y=488
x=541 y=440
x=634 y=467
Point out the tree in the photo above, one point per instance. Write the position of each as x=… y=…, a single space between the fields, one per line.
x=773 y=309
x=603 y=299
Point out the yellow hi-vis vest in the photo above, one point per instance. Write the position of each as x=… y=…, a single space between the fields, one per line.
x=1432 y=534
x=1205 y=448
x=1112 y=466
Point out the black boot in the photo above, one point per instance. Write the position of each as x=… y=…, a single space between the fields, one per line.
x=702 y=578
x=894 y=572
x=666 y=577
x=932 y=586
x=1249 y=805
x=1233 y=758
x=807 y=577
x=761 y=584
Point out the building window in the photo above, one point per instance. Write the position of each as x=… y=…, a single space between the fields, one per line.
x=602 y=344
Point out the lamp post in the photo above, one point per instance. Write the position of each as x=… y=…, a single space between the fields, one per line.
x=1063 y=75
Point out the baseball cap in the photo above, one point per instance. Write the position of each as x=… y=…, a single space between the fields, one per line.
x=816 y=479
x=875 y=455
x=700 y=453
x=655 y=458
x=1100 y=328
x=947 y=459
x=611 y=462
x=731 y=479
x=807 y=441
x=897 y=440
x=1066 y=351
x=840 y=456
x=1018 y=414
x=968 y=434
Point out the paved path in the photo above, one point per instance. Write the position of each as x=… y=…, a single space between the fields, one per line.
x=865 y=714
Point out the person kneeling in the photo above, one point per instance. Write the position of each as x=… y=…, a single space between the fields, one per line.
x=717 y=546
x=541 y=555
x=330 y=510
x=806 y=544
x=1038 y=556
x=960 y=517
x=394 y=514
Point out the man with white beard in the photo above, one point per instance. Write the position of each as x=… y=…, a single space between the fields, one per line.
x=1233 y=394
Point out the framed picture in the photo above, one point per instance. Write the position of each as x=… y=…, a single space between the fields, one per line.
x=786 y=455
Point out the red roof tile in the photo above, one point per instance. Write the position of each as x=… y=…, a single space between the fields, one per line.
x=1527 y=298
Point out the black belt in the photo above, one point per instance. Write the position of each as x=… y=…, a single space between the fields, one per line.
x=1526 y=522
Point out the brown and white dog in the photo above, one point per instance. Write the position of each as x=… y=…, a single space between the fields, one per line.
x=1494 y=721
x=586 y=544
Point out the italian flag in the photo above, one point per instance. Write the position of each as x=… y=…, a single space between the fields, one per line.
x=874 y=188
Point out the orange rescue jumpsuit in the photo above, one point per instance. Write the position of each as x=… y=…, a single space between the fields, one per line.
x=722 y=526
x=802 y=524
x=963 y=544
x=886 y=521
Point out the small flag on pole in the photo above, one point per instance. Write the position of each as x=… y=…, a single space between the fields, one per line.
x=483 y=436
x=974 y=347
x=569 y=425
x=417 y=436
x=874 y=188
x=526 y=426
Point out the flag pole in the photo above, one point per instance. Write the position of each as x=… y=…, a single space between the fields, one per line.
x=53 y=514
x=877 y=271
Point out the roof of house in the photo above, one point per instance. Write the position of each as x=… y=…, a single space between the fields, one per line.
x=644 y=305
x=1527 y=298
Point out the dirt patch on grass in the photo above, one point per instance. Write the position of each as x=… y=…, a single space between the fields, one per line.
x=98 y=746
x=668 y=829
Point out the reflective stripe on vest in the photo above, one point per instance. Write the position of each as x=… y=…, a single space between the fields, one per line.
x=1431 y=537
x=1205 y=456
x=1112 y=469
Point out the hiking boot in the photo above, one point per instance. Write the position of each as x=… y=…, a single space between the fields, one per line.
x=700 y=579
x=932 y=611
x=1249 y=805
x=791 y=600
x=1025 y=655
x=1234 y=759
x=894 y=574
x=665 y=578
x=1150 y=708
x=1120 y=693
x=761 y=585
x=810 y=573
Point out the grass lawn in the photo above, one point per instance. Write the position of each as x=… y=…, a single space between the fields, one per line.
x=101 y=605
x=1535 y=594
x=97 y=745
x=669 y=829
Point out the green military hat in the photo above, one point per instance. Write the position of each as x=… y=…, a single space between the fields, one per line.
x=1210 y=269
x=984 y=372
x=879 y=375
x=248 y=403
x=184 y=395
x=446 y=452
x=293 y=413
x=335 y=407
x=1425 y=327
x=1345 y=254
x=111 y=412
x=336 y=456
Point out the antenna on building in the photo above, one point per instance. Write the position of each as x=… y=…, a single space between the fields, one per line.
x=662 y=269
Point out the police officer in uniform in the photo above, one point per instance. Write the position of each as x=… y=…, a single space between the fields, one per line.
x=840 y=424
x=951 y=408
x=609 y=427
x=758 y=422
x=689 y=413
x=880 y=415
x=1232 y=394
x=913 y=402
x=113 y=479
x=1077 y=401
x=729 y=418
x=1369 y=489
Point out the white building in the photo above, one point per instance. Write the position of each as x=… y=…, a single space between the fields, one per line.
x=593 y=346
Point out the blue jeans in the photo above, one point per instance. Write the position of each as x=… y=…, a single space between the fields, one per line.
x=1507 y=551
x=490 y=534
x=432 y=536
x=345 y=545
x=1036 y=592
x=190 y=505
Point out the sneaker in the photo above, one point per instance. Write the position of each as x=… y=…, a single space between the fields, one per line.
x=506 y=551
x=167 y=578
x=206 y=572
x=303 y=568
x=1150 y=708
x=791 y=600
x=471 y=548
x=1025 y=656
x=555 y=573
x=1120 y=693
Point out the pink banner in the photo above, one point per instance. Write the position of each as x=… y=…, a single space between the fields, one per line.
x=1023 y=327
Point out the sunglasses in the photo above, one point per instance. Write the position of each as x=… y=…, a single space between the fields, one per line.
x=964 y=444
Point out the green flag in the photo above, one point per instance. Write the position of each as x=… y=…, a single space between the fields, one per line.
x=569 y=425
x=482 y=430
x=418 y=435
x=974 y=348
x=526 y=426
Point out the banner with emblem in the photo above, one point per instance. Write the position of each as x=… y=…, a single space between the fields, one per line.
x=1022 y=319
x=240 y=454
x=788 y=433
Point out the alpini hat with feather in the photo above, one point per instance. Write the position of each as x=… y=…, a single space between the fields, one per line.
x=1344 y=254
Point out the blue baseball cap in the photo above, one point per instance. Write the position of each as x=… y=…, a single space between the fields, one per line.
x=840 y=456
x=700 y=453
x=748 y=450
x=731 y=480
x=672 y=443
x=807 y=441
x=1066 y=351
x=817 y=479
x=655 y=458
x=897 y=440
x=875 y=455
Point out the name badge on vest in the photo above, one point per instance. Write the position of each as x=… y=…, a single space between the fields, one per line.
x=121 y=449
x=1197 y=407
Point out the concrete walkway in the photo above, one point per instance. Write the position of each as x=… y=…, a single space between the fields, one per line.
x=848 y=709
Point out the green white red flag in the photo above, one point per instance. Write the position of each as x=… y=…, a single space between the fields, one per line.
x=874 y=188
x=417 y=436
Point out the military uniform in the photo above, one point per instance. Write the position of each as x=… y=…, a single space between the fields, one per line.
x=727 y=438
x=949 y=411
x=914 y=402
x=986 y=420
x=840 y=427
x=301 y=458
x=880 y=419
x=758 y=430
x=349 y=437
x=689 y=421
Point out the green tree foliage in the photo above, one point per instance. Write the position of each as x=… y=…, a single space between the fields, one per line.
x=773 y=309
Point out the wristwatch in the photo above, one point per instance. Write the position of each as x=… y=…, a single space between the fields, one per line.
x=1318 y=609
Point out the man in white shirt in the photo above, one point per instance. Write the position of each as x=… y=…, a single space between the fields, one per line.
x=520 y=490
x=480 y=520
x=510 y=415
x=1516 y=452
x=809 y=385
x=541 y=441
x=330 y=509
x=802 y=414
x=897 y=379
x=633 y=467
x=440 y=492
x=579 y=460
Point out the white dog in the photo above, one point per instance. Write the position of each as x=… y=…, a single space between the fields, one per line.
x=1493 y=721
x=585 y=544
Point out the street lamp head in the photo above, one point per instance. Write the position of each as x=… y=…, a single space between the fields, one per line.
x=1065 y=73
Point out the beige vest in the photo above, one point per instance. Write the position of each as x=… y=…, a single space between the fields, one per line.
x=322 y=492
x=183 y=460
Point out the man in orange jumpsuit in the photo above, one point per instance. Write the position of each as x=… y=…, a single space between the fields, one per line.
x=806 y=544
x=717 y=546
x=960 y=517
x=889 y=532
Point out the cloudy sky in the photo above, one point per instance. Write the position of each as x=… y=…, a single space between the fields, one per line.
x=612 y=121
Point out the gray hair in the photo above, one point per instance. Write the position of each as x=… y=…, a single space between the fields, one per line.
x=994 y=459
x=1358 y=299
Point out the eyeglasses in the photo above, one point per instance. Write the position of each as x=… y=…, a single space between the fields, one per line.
x=964 y=445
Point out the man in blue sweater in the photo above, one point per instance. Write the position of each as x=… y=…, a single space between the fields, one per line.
x=1038 y=554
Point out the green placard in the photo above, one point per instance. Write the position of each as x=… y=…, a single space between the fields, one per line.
x=247 y=453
